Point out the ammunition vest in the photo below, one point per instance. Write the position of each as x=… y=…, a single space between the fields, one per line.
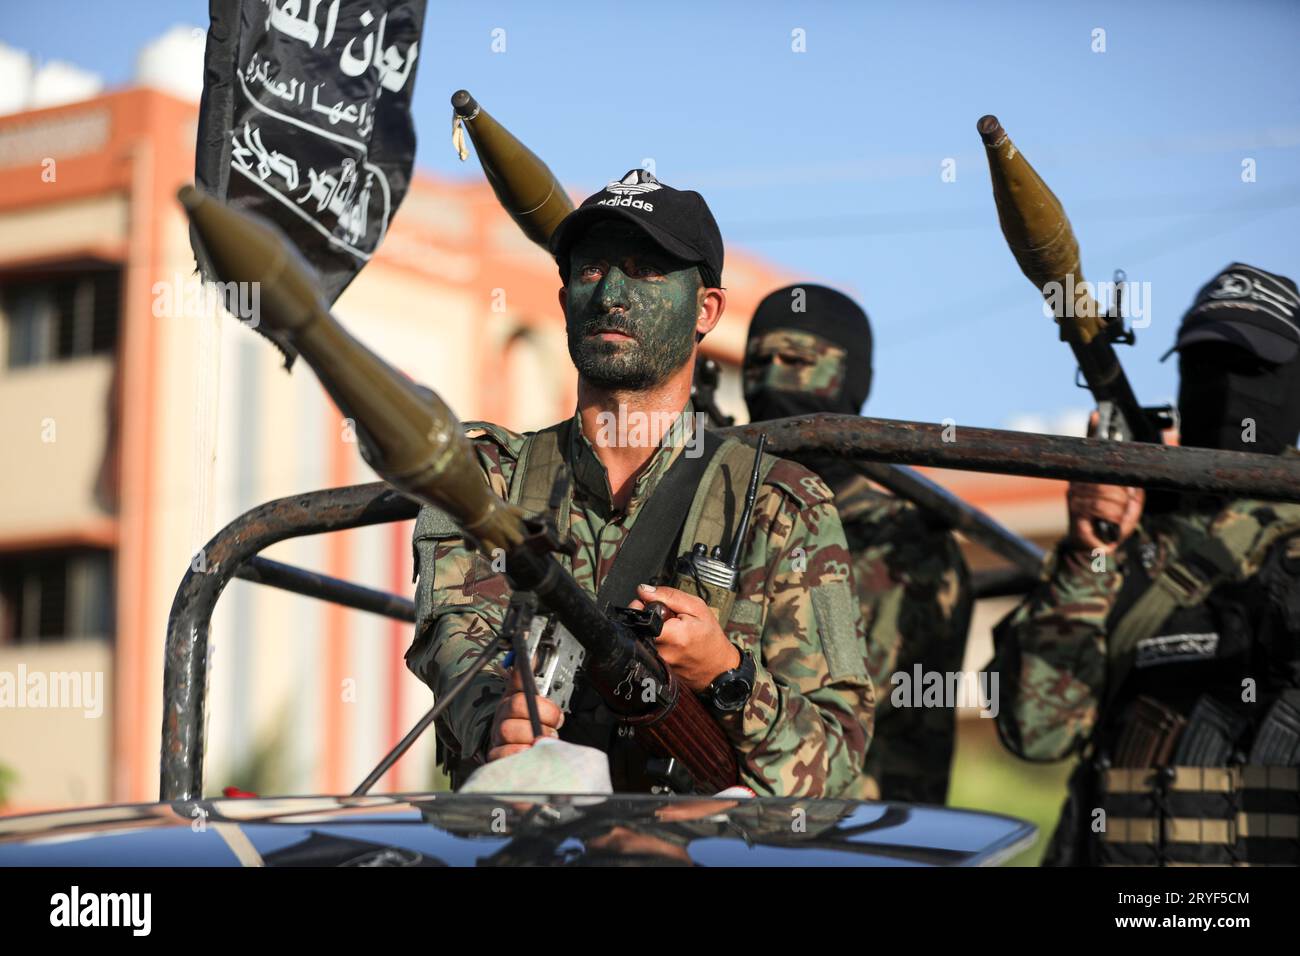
x=1175 y=765
x=712 y=518
x=714 y=510
x=1206 y=816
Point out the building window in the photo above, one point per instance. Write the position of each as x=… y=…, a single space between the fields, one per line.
x=56 y=595
x=62 y=317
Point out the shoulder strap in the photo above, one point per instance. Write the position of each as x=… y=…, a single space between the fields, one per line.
x=716 y=509
x=1183 y=583
x=645 y=550
x=539 y=461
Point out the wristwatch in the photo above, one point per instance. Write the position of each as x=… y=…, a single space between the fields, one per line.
x=731 y=689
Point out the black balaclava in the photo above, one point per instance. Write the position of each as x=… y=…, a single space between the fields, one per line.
x=825 y=340
x=1239 y=363
x=845 y=334
x=1230 y=399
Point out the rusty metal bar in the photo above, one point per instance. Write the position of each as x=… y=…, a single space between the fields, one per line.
x=286 y=577
x=847 y=436
x=185 y=662
x=1195 y=470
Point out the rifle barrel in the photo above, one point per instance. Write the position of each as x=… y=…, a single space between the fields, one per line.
x=956 y=515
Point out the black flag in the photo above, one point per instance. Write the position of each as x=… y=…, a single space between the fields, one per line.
x=305 y=119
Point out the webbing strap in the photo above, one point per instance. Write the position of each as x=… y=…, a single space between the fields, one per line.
x=1183 y=583
x=716 y=510
x=535 y=470
x=644 y=551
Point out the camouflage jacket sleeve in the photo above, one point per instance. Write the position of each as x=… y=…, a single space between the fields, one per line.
x=808 y=722
x=1050 y=657
x=913 y=589
x=460 y=603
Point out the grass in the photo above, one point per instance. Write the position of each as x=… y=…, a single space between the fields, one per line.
x=985 y=776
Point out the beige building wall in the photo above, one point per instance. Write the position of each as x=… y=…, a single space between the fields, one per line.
x=50 y=230
x=58 y=444
x=58 y=748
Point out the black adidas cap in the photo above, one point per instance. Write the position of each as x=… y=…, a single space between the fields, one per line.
x=1247 y=307
x=677 y=219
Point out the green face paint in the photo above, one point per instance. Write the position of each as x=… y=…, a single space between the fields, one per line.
x=791 y=360
x=631 y=310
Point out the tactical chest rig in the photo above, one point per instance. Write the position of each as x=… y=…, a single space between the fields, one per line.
x=715 y=485
x=1185 y=772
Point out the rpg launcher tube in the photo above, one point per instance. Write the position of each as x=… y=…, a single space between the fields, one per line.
x=525 y=186
x=414 y=441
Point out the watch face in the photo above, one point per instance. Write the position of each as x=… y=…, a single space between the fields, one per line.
x=732 y=694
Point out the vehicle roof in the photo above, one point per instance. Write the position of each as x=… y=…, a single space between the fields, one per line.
x=450 y=829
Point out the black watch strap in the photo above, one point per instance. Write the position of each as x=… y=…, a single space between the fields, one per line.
x=730 y=690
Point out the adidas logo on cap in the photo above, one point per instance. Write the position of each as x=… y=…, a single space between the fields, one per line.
x=636 y=183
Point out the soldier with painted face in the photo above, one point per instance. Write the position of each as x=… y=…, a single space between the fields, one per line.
x=784 y=671
x=1169 y=661
x=809 y=351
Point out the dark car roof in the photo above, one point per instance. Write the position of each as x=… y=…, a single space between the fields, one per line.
x=448 y=829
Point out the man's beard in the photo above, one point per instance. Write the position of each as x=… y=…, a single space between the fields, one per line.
x=655 y=351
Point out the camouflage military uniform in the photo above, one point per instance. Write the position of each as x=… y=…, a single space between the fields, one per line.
x=1056 y=664
x=913 y=589
x=807 y=724
x=910 y=580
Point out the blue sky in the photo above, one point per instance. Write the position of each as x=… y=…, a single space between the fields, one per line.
x=828 y=161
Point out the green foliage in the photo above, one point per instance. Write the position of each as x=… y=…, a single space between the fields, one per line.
x=8 y=779
x=439 y=781
x=264 y=769
x=986 y=777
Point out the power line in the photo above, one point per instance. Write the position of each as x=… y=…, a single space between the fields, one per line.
x=967 y=218
x=987 y=307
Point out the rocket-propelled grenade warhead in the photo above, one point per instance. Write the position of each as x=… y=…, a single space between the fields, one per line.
x=1037 y=229
x=406 y=433
x=524 y=185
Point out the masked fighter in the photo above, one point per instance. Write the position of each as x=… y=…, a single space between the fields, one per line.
x=809 y=351
x=1178 y=646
